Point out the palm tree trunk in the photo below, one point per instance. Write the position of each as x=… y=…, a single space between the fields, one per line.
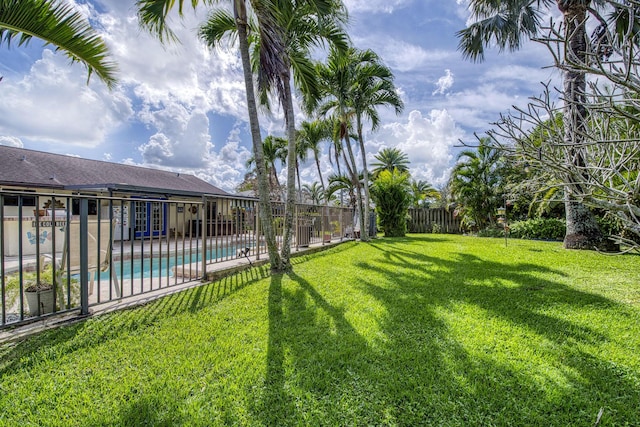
x=299 y=183
x=315 y=155
x=291 y=173
x=582 y=229
x=274 y=174
x=337 y=157
x=240 y=13
x=356 y=179
x=364 y=235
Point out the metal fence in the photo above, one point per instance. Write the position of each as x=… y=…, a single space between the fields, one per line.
x=77 y=251
x=436 y=220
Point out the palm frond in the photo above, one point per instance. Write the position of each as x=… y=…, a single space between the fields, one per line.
x=57 y=24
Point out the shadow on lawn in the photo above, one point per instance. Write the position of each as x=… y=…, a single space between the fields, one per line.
x=322 y=370
x=91 y=332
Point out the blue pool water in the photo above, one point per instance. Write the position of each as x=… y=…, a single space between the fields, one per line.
x=159 y=267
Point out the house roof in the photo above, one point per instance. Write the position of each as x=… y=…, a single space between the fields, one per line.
x=29 y=168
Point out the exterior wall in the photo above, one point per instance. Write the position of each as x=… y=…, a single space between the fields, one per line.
x=41 y=230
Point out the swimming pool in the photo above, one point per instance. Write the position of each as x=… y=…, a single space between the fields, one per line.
x=136 y=268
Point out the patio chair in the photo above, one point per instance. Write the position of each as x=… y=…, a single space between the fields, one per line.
x=98 y=258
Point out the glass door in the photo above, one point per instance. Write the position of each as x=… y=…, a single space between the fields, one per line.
x=150 y=219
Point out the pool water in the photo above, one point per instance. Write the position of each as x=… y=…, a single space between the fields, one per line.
x=137 y=268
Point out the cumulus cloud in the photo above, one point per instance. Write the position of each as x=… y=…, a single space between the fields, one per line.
x=427 y=141
x=54 y=103
x=11 y=141
x=182 y=139
x=225 y=168
x=444 y=83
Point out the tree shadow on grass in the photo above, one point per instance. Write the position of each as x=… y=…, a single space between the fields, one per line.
x=68 y=339
x=564 y=381
x=315 y=360
x=324 y=369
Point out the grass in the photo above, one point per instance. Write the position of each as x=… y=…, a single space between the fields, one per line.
x=424 y=330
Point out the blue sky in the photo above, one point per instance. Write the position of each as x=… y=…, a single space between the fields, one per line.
x=182 y=107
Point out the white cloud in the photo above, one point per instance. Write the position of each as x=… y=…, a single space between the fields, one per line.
x=54 y=103
x=427 y=141
x=444 y=83
x=184 y=145
x=375 y=6
x=11 y=141
x=403 y=56
x=182 y=139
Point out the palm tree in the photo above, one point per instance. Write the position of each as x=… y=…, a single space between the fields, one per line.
x=281 y=50
x=274 y=148
x=153 y=17
x=60 y=25
x=336 y=77
x=390 y=159
x=342 y=183
x=422 y=192
x=302 y=24
x=312 y=134
x=508 y=24
x=476 y=184
x=372 y=88
x=355 y=84
x=315 y=192
x=302 y=151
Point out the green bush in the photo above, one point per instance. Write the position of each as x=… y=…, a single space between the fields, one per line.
x=390 y=192
x=491 y=232
x=541 y=228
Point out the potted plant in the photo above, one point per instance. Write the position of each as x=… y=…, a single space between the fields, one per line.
x=39 y=297
x=38 y=291
x=38 y=294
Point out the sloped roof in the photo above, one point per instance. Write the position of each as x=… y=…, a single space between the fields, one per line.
x=29 y=168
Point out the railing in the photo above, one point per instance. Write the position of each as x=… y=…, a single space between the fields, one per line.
x=82 y=250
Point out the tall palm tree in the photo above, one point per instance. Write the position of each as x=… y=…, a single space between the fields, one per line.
x=302 y=154
x=336 y=77
x=508 y=24
x=356 y=83
x=302 y=25
x=372 y=88
x=390 y=159
x=60 y=25
x=153 y=17
x=295 y=27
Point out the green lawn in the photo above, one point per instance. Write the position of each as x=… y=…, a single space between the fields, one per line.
x=425 y=330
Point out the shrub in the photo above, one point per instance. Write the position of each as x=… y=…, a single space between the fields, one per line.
x=491 y=232
x=390 y=192
x=540 y=228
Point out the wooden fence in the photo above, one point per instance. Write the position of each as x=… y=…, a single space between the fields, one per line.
x=426 y=220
